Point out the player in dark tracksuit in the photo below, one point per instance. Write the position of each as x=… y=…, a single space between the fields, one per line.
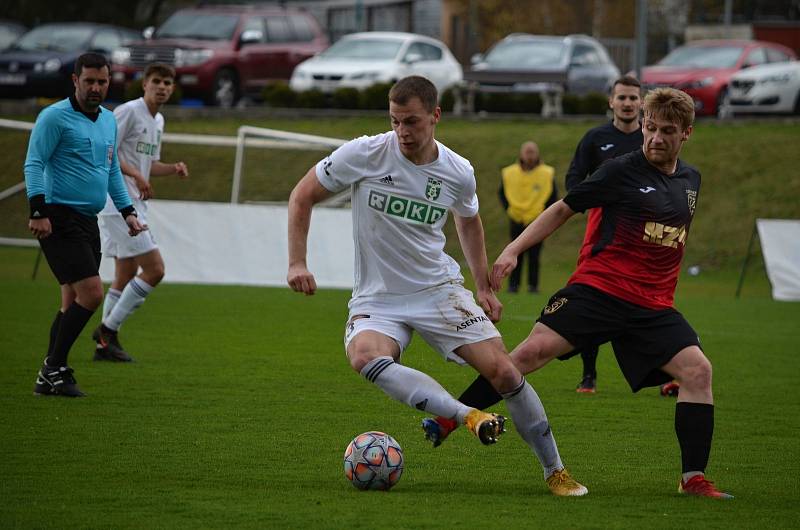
x=621 y=135
x=623 y=288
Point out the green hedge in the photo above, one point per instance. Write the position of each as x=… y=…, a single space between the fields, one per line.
x=376 y=97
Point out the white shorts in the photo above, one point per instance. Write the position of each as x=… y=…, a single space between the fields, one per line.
x=445 y=316
x=118 y=243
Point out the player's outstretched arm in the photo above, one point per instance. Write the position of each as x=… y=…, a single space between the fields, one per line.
x=470 y=235
x=305 y=195
x=536 y=232
x=162 y=169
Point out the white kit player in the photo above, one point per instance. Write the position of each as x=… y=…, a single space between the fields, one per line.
x=139 y=130
x=403 y=185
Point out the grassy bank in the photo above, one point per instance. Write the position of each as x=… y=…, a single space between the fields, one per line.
x=749 y=171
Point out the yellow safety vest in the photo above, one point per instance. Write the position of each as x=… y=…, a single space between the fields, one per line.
x=527 y=191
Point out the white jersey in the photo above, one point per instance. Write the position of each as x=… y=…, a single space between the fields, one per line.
x=138 y=143
x=399 y=209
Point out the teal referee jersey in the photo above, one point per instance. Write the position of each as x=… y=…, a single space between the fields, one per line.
x=72 y=159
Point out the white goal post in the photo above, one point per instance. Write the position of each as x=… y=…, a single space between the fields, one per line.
x=241 y=244
x=277 y=139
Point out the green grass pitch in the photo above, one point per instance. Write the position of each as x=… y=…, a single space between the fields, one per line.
x=241 y=404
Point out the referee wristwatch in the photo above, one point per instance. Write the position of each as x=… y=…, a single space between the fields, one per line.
x=128 y=210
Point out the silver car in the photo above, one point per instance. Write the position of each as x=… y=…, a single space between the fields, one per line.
x=767 y=88
x=359 y=60
x=530 y=63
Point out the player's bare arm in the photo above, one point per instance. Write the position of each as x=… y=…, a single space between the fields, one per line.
x=471 y=237
x=162 y=169
x=144 y=187
x=536 y=232
x=305 y=195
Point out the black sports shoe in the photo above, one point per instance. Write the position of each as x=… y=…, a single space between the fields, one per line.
x=56 y=381
x=587 y=385
x=108 y=347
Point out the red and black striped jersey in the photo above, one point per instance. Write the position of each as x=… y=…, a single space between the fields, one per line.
x=635 y=251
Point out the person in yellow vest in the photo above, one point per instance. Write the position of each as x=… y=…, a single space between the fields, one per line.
x=527 y=188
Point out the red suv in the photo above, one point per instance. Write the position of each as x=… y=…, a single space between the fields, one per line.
x=223 y=52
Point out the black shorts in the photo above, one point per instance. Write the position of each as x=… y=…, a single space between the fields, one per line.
x=643 y=339
x=73 y=248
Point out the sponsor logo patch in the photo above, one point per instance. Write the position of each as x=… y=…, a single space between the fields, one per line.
x=668 y=236
x=146 y=148
x=555 y=306
x=470 y=321
x=416 y=211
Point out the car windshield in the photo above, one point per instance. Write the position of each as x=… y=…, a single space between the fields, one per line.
x=55 y=38
x=363 y=49
x=704 y=57
x=526 y=54
x=195 y=25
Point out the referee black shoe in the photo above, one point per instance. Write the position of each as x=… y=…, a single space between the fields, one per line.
x=56 y=381
x=108 y=347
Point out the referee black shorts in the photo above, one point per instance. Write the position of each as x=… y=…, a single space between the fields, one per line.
x=643 y=339
x=73 y=248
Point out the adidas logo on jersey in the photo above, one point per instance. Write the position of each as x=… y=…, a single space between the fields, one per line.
x=387 y=180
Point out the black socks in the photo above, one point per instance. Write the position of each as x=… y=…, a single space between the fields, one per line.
x=694 y=425
x=73 y=321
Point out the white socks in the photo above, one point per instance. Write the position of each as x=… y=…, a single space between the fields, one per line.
x=530 y=420
x=130 y=299
x=112 y=297
x=414 y=388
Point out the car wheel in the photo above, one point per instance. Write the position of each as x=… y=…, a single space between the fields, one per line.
x=797 y=103
x=724 y=104
x=226 y=89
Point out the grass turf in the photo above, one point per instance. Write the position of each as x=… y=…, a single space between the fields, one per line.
x=241 y=404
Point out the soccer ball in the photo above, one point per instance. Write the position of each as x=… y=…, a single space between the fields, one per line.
x=373 y=461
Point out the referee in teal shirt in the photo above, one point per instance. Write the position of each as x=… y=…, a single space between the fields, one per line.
x=70 y=168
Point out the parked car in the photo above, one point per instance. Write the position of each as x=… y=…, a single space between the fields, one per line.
x=703 y=68
x=10 y=31
x=359 y=60
x=40 y=63
x=222 y=52
x=531 y=63
x=768 y=88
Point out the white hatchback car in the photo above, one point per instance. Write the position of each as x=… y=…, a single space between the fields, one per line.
x=359 y=60
x=767 y=88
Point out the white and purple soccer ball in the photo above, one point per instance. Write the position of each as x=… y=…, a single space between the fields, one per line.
x=373 y=461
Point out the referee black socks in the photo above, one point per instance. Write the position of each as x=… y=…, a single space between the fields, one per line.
x=73 y=321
